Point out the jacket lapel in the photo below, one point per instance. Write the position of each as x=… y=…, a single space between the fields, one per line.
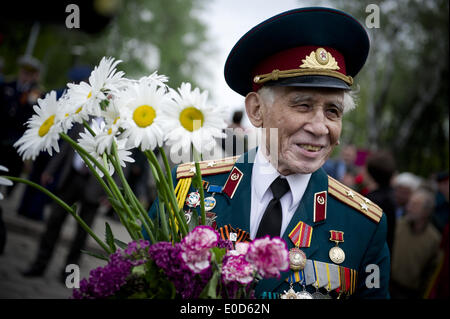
x=242 y=197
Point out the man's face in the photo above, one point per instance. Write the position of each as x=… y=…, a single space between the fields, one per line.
x=309 y=122
x=415 y=207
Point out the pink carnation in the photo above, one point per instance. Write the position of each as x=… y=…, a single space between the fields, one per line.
x=269 y=256
x=196 y=245
x=237 y=269
x=241 y=249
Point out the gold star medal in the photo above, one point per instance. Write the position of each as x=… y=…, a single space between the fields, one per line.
x=336 y=253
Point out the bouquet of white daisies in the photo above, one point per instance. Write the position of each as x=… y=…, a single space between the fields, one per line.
x=143 y=114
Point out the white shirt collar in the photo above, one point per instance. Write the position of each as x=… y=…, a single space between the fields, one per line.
x=264 y=173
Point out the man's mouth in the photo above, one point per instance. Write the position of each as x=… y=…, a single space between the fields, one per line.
x=310 y=148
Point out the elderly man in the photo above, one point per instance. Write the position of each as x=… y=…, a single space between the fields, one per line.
x=295 y=71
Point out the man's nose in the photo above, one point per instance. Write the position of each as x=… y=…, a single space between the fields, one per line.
x=317 y=124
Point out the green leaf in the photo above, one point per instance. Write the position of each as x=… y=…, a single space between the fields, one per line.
x=210 y=290
x=109 y=237
x=218 y=254
x=102 y=257
x=120 y=243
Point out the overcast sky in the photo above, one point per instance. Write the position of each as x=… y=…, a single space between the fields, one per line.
x=228 y=21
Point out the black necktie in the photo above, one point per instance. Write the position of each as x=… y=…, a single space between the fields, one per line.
x=271 y=221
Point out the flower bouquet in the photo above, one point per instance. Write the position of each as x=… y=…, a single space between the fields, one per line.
x=168 y=256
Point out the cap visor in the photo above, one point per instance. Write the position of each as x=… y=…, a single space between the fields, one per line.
x=319 y=81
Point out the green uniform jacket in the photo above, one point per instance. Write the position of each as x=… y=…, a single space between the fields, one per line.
x=364 y=239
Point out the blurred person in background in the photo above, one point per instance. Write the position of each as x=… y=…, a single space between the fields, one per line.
x=404 y=184
x=441 y=212
x=16 y=107
x=378 y=172
x=416 y=247
x=236 y=142
x=343 y=169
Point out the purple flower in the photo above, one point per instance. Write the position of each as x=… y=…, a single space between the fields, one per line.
x=106 y=281
x=269 y=256
x=196 y=248
x=187 y=283
x=238 y=269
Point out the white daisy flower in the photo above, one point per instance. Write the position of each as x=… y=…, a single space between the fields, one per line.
x=193 y=121
x=87 y=96
x=140 y=108
x=112 y=118
x=159 y=79
x=68 y=112
x=4 y=181
x=43 y=128
x=97 y=145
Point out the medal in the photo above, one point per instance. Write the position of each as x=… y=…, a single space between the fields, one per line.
x=290 y=294
x=193 y=199
x=210 y=201
x=188 y=216
x=336 y=253
x=297 y=259
x=210 y=219
x=300 y=236
x=298 y=276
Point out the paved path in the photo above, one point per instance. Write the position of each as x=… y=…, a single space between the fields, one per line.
x=22 y=241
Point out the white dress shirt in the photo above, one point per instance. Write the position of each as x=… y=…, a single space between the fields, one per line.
x=263 y=174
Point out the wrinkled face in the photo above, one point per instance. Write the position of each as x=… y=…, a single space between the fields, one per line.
x=309 y=122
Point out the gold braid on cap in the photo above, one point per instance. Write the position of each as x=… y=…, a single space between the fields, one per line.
x=319 y=62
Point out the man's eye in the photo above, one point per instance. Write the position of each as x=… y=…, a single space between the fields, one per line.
x=302 y=106
x=334 y=112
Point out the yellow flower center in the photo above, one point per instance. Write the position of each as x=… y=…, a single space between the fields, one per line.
x=78 y=110
x=67 y=115
x=191 y=118
x=116 y=119
x=45 y=127
x=109 y=131
x=144 y=115
x=89 y=95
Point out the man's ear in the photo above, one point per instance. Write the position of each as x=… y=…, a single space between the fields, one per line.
x=253 y=106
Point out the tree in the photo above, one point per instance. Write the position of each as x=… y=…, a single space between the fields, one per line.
x=147 y=35
x=403 y=98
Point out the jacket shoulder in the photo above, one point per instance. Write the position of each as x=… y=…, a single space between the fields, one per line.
x=355 y=200
x=207 y=167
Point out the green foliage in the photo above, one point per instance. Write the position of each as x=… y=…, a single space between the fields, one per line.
x=109 y=237
x=403 y=88
x=147 y=35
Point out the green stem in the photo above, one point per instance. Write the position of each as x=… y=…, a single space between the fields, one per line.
x=161 y=200
x=167 y=166
x=141 y=213
x=198 y=177
x=171 y=195
x=64 y=205
x=105 y=172
x=86 y=125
